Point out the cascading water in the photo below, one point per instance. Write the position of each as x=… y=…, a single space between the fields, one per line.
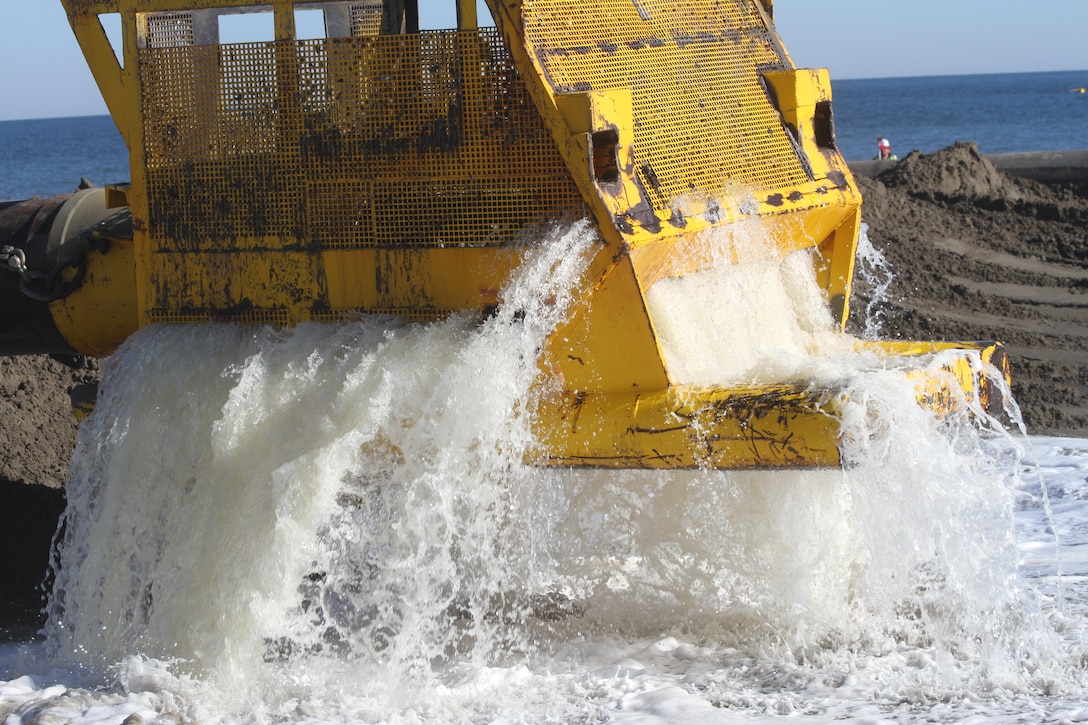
x=871 y=269
x=336 y=523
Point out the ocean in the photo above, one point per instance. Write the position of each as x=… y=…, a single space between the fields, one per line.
x=1002 y=113
x=48 y=156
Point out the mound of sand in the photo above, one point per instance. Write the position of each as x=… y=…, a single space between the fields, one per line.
x=954 y=174
x=36 y=418
x=38 y=434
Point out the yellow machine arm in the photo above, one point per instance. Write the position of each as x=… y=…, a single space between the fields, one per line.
x=383 y=169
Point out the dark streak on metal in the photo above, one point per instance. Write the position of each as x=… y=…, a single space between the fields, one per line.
x=703 y=36
x=713 y=212
x=677 y=219
x=643 y=213
x=990 y=396
x=622 y=224
x=651 y=177
x=579 y=87
x=579 y=402
x=838 y=178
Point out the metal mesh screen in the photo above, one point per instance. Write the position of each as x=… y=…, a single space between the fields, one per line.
x=390 y=141
x=278 y=318
x=169 y=30
x=703 y=121
x=366 y=18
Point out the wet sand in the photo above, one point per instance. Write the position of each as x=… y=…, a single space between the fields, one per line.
x=977 y=254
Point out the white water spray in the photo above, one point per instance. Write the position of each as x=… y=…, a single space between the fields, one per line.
x=243 y=495
x=872 y=270
x=336 y=522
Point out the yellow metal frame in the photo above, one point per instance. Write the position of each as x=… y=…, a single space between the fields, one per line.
x=297 y=180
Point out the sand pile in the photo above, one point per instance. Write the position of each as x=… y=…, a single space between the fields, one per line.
x=38 y=435
x=954 y=174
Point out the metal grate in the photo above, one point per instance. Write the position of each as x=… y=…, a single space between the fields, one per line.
x=703 y=121
x=408 y=314
x=395 y=140
x=169 y=30
x=366 y=18
x=275 y=318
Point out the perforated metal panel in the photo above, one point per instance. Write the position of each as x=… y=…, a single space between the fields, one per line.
x=703 y=120
x=169 y=30
x=366 y=18
x=276 y=318
x=375 y=141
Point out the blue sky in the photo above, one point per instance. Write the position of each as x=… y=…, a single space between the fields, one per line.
x=881 y=39
x=44 y=74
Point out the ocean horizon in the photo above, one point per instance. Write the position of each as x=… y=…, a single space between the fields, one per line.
x=1000 y=112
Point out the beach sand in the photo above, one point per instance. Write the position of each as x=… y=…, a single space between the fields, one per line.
x=979 y=255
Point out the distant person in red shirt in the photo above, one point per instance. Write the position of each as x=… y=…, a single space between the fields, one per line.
x=884 y=148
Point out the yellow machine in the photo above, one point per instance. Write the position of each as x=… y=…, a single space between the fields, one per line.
x=384 y=169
